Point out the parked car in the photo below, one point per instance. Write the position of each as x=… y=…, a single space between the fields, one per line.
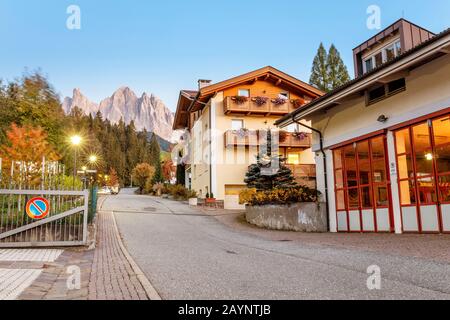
x=115 y=189
x=104 y=191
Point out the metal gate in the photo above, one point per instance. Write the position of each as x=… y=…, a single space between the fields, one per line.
x=24 y=188
x=65 y=224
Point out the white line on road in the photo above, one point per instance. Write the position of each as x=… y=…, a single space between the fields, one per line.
x=32 y=255
x=14 y=281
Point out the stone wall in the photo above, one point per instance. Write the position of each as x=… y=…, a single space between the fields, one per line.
x=302 y=217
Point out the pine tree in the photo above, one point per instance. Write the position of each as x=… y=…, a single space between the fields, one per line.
x=270 y=171
x=337 y=71
x=328 y=71
x=319 y=72
x=155 y=159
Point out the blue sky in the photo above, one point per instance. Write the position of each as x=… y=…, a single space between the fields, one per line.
x=164 y=46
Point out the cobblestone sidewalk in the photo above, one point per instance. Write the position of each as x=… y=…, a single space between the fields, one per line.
x=112 y=276
x=107 y=272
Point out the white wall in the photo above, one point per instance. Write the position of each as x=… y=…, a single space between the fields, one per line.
x=427 y=91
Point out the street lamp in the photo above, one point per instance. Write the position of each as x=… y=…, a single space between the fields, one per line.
x=75 y=140
x=93 y=159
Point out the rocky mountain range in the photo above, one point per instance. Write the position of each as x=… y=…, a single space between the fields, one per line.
x=148 y=112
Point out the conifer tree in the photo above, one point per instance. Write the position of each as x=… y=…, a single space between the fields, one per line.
x=155 y=159
x=337 y=71
x=328 y=70
x=319 y=72
x=270 y=171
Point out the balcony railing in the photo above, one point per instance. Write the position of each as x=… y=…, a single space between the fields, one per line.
x=252 y=139
x=305 y=174
x=231 y=105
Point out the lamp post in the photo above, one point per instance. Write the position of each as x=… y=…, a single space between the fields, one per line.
x=76 y=142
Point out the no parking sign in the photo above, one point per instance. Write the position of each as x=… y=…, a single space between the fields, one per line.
x=37 y=208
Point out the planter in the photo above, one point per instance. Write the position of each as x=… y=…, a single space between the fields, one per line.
x=301 y=217
x=193 y=202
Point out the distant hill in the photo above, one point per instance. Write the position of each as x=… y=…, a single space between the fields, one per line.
x=165 y=145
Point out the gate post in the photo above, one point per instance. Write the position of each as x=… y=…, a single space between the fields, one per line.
x=86 y=213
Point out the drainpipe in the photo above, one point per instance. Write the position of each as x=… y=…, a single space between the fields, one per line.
x=325 y=174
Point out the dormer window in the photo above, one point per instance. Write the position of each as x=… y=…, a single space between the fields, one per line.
x=383 y=55
x=368 y=65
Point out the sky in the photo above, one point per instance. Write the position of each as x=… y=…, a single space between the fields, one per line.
x=164 y=46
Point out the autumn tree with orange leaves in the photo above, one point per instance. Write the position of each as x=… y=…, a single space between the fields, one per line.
x=28 y=146
x=168 y=170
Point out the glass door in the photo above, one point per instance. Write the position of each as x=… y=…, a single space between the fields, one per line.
x=416 y=161
x=362 y=187
x=441 y=139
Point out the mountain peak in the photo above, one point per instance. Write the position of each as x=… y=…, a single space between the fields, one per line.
x=147 y=112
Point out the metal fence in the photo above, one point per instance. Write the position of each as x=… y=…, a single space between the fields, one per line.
x=65 y=223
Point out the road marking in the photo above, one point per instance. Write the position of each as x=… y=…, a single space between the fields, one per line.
x=14 y=281
x=31 y=255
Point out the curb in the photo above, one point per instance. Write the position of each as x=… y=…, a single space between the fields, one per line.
x=151 y=292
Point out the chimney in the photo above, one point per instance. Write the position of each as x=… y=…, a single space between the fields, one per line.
x=203 y=83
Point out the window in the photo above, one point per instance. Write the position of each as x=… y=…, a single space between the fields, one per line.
x=368 y=65
x=396 y=85
x=386 y=54
x=379 y=59
x=385 y=91
x=390 y=53
x=244 y=93
x=237 y=124
x=283 y=95
x=398 y=48
x=376 y=94
x=294 y=127
x=293 y=158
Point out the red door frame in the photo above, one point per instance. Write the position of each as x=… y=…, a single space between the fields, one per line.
x=435 y=174
x=345 y=189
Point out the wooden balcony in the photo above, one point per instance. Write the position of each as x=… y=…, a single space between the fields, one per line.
x=250 y=107
x=233 y=139
x=293 y=142
x=305 y=174
x=251 y=139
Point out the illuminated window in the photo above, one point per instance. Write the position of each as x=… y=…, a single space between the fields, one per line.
x=293 y=158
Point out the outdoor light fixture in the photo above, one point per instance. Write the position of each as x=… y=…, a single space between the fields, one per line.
x=382 y=118
x=93 y=158
x=75 y=140
x=429 y=156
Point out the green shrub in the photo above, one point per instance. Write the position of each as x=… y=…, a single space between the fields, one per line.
x=179 y=192
x=252 y=197
x=192 y=194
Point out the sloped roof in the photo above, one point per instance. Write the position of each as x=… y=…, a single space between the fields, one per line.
x=328 y=98
x=191 y=100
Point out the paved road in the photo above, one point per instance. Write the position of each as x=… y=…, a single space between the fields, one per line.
x=190 y=256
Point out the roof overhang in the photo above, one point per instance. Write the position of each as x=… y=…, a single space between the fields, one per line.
x=267 y=74
x=396 y=69
x=185 y=100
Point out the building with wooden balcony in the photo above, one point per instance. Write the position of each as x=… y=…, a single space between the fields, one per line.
x=216 y=116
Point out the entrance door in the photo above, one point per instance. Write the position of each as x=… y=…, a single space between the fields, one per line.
x=441 y=140
x=362 y=187
x=423 y=160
